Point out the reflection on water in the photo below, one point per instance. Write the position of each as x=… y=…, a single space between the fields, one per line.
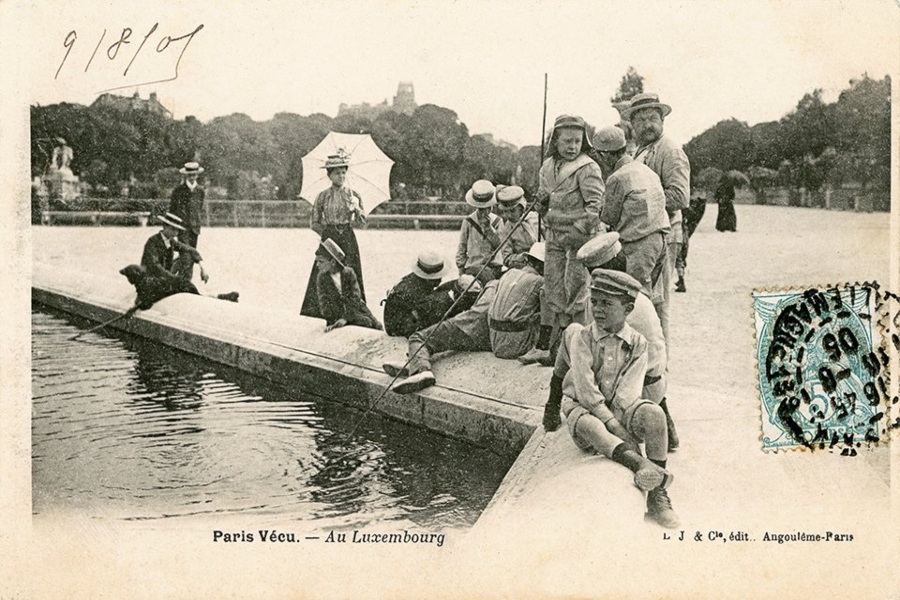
x=129 y=429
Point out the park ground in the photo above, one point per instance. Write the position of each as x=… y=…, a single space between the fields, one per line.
x=723 y=480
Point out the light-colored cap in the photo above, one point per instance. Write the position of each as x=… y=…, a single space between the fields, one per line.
x=510 y=194
x=615 y=283
x=609 y=139
x=600 y=249
x=538 y=250
x=465 y=281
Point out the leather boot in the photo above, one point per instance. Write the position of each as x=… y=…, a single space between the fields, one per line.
x=552 y=420
x=670 y=427
x=659 y=509
x=647 y=476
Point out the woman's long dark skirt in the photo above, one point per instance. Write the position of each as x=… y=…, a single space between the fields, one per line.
x=726 y=220
x=344 y=236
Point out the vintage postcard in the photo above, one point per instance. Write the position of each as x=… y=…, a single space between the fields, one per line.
x=400 y=299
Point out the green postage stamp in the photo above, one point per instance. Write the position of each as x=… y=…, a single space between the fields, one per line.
x=823 y=357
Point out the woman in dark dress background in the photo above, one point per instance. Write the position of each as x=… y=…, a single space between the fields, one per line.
x=727 y=218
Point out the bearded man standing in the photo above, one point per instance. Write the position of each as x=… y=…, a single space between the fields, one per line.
x=666 y=158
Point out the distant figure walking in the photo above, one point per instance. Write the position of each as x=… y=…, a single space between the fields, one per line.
x=727 y=218
x=334 y=212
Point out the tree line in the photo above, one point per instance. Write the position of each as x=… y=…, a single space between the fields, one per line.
x=847 y=141
x=434 y=153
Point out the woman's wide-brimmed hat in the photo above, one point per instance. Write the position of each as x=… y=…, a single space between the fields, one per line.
x=430 y=265
x=171 y=220
x=482 y=194
x=336 y=160
x=331 y=248
x=646 y=101
x=191 y=168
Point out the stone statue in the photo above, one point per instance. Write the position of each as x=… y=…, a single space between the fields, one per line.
x=62 y=184
x=62 y=156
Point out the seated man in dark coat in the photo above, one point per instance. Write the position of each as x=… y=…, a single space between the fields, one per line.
x=403 y=302
x=159 y=251
x=340 y=299
x=160 y=275
x=417 y=301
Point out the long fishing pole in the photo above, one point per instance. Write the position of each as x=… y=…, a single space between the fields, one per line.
x=428 y=337
x=541 y=162
x=125 y=315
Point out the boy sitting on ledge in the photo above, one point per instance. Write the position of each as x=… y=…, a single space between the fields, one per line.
x=597 y=381
x=340 y=299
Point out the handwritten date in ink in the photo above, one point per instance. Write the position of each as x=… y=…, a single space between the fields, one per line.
x=129 y=51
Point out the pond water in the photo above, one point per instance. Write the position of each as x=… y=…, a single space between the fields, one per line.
x=125 y=428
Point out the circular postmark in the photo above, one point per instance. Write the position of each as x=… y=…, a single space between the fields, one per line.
x=820 y=374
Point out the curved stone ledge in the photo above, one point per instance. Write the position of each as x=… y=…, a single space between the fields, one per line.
x=487 y=401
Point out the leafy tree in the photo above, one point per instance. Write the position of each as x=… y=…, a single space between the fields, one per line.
x=631 y=85
x=808 y=129
x=727 y=145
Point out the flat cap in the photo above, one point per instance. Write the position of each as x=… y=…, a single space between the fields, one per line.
x=615 y=283
x=609 y=139
x=600 y=249
x=510 y=194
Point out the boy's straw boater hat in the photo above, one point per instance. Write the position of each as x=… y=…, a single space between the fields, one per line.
x=336 y=160
x=430 y=265
x=171 y=220
x=648 y=100
x=331 y=248
x=191 y=168
x=482 y=194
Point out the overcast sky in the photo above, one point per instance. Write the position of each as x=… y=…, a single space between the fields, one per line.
x=485 y=60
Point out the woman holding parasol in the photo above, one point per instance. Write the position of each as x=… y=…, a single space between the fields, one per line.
x=335 y=211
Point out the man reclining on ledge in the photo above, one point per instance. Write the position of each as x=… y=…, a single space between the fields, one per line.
x=158 y=274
